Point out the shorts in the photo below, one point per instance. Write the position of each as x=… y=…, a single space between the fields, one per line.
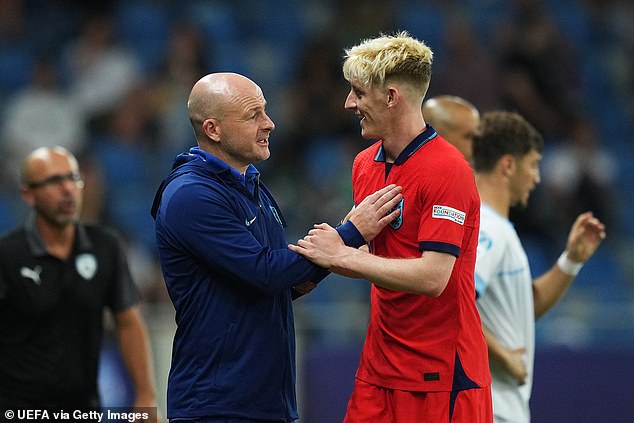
x=374 y=404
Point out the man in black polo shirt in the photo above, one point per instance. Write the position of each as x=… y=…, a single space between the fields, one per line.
x=56 y=277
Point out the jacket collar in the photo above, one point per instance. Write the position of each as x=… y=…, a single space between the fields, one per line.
x=222 y=169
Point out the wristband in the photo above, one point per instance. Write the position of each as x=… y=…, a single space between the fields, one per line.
x=568 y=266
x=351 y=235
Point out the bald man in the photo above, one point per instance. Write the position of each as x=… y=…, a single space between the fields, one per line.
x=56 y=277
x=225 y=261
x=455 y=119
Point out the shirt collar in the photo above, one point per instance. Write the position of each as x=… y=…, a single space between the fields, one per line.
x=36 y=244
x=427 y=135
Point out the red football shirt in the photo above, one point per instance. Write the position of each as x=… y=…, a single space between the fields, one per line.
x=415 y=342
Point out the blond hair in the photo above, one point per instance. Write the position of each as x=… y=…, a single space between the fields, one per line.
x=377 y=60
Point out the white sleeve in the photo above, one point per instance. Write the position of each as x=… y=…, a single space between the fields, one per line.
x=491 y=246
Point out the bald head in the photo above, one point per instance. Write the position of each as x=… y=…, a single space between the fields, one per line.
x=455 y=119
x=228 y=114
x=52 y=186
x=216 y=94
x=39 y=161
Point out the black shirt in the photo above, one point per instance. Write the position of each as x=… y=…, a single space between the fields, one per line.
x=51 y=315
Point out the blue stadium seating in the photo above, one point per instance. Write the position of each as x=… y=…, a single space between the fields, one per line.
x=16 y=64
x=144 y=26
x=424 y=22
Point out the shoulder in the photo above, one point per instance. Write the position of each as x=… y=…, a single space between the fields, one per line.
x=442 y=169
x=192 y=198
x=442 y=155
x=493 y=219
x=189 y=189
x=494 y=228
x=13 y=234
x=100 y=234
x=369 y=153
x=365 y=159
x=12 y=239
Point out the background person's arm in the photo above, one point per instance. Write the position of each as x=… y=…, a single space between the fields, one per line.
x=584 y=238
x=512 y=360
x=135 y=351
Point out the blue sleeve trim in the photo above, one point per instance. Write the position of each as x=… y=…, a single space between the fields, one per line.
x=440 y=247
x=351 y=235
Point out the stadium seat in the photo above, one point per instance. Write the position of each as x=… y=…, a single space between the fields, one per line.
x=16 y=63
x=536 y=252
x=572 y=21
x=423 y=22
x=143 y=26
x=602 y=278
x=222 y=34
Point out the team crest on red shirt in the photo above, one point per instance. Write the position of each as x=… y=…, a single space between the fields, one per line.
x=398 y=222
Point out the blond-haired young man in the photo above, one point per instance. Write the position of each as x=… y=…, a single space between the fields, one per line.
x=425 y=356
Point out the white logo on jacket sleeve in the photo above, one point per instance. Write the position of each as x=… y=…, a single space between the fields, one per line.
x=449 y=213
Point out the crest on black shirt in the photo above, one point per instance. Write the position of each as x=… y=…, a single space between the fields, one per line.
x=86 y=265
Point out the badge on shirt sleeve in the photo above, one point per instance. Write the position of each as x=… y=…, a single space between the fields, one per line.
x=86 y=265
x=449 y=213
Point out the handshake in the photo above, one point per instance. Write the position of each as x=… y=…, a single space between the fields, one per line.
x=327 y=246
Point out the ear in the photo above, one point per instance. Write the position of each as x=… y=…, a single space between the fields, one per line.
x=211 y=128
x=27 y=196
x=507 y=165
x=393 y=96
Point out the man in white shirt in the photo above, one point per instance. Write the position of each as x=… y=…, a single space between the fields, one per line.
x=506 y=155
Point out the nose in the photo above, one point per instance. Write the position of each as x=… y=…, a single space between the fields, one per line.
x=351 y=101
x=269 y=125
x=71 y=182
x=70 y=185
x=538 y=178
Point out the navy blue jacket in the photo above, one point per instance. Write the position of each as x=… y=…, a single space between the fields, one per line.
x=229 y=273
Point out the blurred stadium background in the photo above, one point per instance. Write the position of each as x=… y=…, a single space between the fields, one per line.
x=109 y=80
